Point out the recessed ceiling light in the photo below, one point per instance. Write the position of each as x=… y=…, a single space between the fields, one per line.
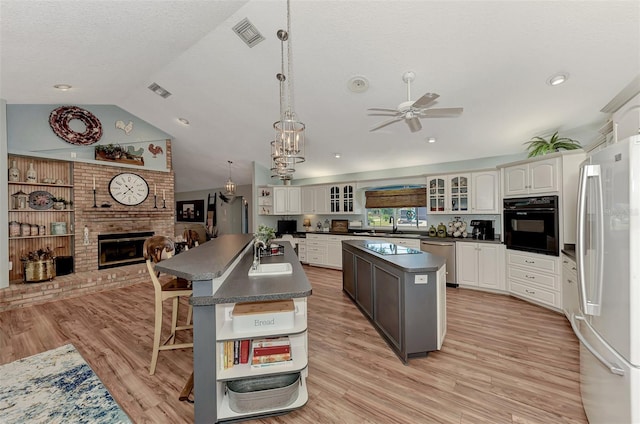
x=358 y=84
x=431 y=140
x=184 y=121
x=337 y=155
x=62 y=87
x=557 y=79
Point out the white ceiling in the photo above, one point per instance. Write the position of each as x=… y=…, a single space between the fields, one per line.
x=490 y=57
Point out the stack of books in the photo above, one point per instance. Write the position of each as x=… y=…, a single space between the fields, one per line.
x=259 y=353
x=270 y=351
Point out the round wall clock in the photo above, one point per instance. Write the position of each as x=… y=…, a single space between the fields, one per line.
x=128 y=189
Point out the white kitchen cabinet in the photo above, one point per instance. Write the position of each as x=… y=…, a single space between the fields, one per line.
x=302 y=250
x=480 y=265
x=570 y=300
x=536 y=177
x=485 y=197
x=286 y=200
x=315 y=200
x=334 y=251
x=476 y=192
x=316 y=249
x=342 y=198
x=534 y=277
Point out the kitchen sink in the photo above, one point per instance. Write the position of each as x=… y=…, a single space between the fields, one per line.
x=271 y=269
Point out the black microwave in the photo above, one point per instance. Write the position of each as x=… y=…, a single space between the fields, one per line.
x=531 y=225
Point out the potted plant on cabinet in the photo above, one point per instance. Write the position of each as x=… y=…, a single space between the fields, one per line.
x=538 y=146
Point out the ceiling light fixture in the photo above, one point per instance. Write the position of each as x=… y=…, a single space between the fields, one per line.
x=337 y=155
x=160 y=91
x=431 y=140
x=557 y=79
x=184 y=121
x=230 y=186
x=63 y=87
x=287 y=149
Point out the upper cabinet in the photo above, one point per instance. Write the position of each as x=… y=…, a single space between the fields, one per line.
x=485 y=197
x=331 y=199
x=315 y=200
x=541 y=176
x=463 y=193
x=287 y=200
x=265 y=201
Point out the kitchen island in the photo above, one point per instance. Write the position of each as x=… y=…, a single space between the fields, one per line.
x=401 y=291
x=219 y=272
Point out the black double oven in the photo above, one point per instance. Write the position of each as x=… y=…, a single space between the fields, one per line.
x=531 y=224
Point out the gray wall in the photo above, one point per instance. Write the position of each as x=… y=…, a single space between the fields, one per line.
x=4 y=194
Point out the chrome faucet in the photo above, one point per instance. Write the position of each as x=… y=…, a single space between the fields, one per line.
x=256 y=253
x=394 y=227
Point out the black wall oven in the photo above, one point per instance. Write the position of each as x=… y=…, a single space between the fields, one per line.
x=531 y=224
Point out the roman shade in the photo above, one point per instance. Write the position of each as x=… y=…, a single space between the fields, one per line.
x=397 y=198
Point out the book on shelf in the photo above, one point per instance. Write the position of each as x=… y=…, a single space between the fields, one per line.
x=236 y=352
x=271 y=341
x=229 y=350
x=272 y=364
x=278 y=357
x=270 y=350
x=244 y=351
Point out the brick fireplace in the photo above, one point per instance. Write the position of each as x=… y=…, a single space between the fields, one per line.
x=115 y=219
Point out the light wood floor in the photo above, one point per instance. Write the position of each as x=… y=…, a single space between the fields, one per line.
x=503 y=360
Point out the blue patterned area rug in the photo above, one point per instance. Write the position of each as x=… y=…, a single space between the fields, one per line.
x=56 y=386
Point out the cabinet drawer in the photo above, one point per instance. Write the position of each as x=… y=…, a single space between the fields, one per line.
x=538 y=278
x=315 y=258
x=539 y=262
x=320 y=250
x=540 y=295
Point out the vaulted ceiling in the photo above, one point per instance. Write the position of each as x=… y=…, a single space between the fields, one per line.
x=492 y=58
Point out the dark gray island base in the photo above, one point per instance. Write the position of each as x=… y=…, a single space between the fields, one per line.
x=219 y=272
x=402 y=293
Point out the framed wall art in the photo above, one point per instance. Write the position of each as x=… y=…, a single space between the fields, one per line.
x=190 y=211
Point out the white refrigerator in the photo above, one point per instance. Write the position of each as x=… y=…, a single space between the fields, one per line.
x=608 y=262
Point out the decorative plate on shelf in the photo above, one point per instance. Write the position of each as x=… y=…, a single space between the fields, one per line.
x=40 y=200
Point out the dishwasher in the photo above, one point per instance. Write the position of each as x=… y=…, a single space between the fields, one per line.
x=447 y=250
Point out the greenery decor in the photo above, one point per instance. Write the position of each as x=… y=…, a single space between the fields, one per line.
x=265 y=234
x=538 y=146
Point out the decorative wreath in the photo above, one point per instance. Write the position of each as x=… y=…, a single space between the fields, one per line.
x=59 y=122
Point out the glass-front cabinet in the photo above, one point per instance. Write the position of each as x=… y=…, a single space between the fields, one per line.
x=436 y=194
x=348 y=198
x=342 y=198
x=459 y=193
x=334 y=199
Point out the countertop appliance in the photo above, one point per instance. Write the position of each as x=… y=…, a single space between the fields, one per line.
x=531 y=224
x=287 y=226
x=447 y=250
x=482 y=229
x=607 y=252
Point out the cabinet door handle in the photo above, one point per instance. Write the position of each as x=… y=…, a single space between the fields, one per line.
x=531 y=277
x=529 y=291
x=529 y=262
x=569 y=280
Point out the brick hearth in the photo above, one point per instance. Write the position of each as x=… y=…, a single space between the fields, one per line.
x=116 y=219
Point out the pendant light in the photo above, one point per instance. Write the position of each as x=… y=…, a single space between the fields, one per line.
x=230 y=186
x=287 y=149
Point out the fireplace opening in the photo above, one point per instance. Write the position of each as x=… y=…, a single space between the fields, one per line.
x=121 y=249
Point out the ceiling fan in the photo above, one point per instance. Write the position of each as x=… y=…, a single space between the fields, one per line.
x=412 y=111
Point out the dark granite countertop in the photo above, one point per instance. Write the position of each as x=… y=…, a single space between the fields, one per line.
x=207 y=261
x=212 y=259
x=419 y=262
x=413 y=235
x=570 y=251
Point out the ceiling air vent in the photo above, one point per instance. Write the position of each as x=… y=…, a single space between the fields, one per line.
x=248 y=33
x=159 y=90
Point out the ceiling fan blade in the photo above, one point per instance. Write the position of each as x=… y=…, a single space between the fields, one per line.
x=381 y=109
x=425 y=100
x=385 y=123
x=385 y=114
x=414 y=124
x=441 y=112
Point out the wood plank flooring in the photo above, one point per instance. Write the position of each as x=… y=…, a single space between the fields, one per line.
x=503 y=360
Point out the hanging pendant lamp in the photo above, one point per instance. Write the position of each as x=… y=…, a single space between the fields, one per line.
x=287 y=149
x=230 y=186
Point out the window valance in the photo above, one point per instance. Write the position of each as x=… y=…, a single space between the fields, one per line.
x=396 y=198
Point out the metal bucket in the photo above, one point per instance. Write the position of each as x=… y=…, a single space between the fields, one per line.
x=35 y=271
